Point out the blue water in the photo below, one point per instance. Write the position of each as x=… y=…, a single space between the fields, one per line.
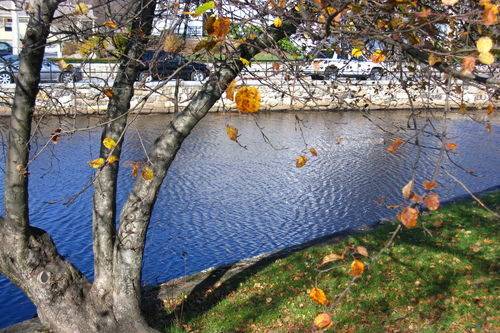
x=221 y=203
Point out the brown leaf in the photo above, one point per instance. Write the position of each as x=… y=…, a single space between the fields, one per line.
x=394 y=146
x=431 y=201
x=407 y=189
x=330 y=258
x=429 y=184
x=313 y=152
x=408 y=217
x=362 y=250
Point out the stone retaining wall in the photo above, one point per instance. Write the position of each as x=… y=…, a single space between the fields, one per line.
x=156 y=97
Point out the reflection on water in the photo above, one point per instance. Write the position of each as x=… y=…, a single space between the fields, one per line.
x=221 y=203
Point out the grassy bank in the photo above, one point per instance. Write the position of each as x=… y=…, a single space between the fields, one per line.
x=444 y=283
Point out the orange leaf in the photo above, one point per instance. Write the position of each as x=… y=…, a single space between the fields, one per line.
x=357 y=268
x=424 y=13
x=429 y=184
x=221 y=27
x=313 y=152
x=248 y=99
x=468 y=64
x=232 y=133
x=323 y=321
x=490 y=109
x=407 y=189
x=377 y=56
x=318 y=296
x=416 y=198
x=301 y=161
x=362 y=250
x=108 y=92
x=431 y=201
x=331 y=258
x=276 y=66
x=110 y=24
x=408 y=217
x=394 y=146
x=135 y=168
x=490 y=15
x=451 y=146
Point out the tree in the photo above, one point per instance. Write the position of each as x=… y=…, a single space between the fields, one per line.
x=430 y=33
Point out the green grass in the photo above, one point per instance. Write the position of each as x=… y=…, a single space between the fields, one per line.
x=444 y=283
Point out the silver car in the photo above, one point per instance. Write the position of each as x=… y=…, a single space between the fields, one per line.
x=50 y=72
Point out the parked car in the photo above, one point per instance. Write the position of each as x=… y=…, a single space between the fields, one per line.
x=330 y=65
x=50 y=71
x=5 y=49
x=162 y=65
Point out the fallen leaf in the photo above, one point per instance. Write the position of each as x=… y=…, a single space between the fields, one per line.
x=357 y=268
x=362 y=250
x=318 y=296
x=331 y=258
x=323 y=321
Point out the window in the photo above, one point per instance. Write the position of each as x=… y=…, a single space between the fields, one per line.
x=7 y=24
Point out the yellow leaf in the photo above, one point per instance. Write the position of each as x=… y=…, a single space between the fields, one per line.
x=377 y=56
x=203 y=8
x=248 y=99
x=109 y=143
x=431 y=201
x=486 y=58
x=277 y=22
x=300 y=161
x=318 y=296
x=63 y=64
x=408 y=217
x=81 y=8
x=111 y=24
x=172 y=43
x=357 y=268
x=232 y=133
x=433 y=59
x=313 y=151
x=449 y=2
x=230 y=90
x=112 y=159
x=97 y=163
x=484 y=44
x=490 y=109
x=407 y=189
x=323 y=321
x=245 y=61
x=356 y=52
x=147 y=173
x=331 y=258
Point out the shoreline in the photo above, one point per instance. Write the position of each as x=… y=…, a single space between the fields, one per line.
x=155 y=296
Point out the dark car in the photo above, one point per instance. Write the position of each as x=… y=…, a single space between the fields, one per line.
x=5 y=49
x=163 y=65
x=50 y=71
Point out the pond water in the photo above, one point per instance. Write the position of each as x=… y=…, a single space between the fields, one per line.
x=221 y=203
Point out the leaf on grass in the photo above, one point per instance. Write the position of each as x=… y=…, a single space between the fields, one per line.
x=330 y=258
x=362 y=250
x=318 y=296
x=357 y=268
x=323 y=321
